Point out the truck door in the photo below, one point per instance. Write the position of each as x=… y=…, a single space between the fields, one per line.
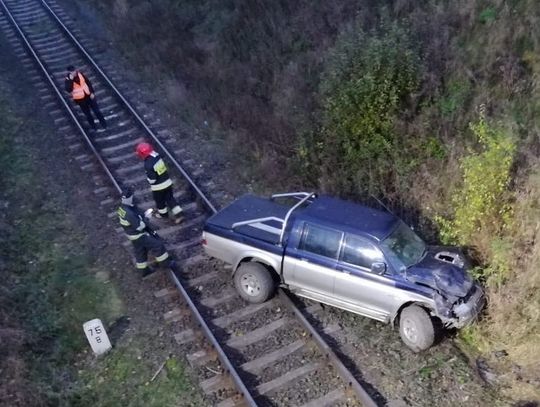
x=309 y=265
x=356 y=286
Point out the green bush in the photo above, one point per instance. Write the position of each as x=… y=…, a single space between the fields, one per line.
x=482 y=208
x=456 y=93
x=482 y=202
x=367 y=79
x=488 y=15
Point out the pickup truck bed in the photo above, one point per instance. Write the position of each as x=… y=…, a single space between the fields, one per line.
x=250 y=207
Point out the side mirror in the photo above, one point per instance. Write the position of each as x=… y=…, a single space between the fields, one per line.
x=378 y=267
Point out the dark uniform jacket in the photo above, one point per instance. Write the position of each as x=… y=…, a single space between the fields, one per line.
x=156 y=172
x=132 y=220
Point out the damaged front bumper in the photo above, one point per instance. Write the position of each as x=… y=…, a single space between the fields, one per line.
x=465 y=311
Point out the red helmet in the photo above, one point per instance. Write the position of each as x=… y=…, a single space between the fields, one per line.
x=144 y=150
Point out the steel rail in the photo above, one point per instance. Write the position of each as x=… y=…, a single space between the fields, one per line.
x=229 y=368
x=62 y=100
x=342 y=370
x=164 y=150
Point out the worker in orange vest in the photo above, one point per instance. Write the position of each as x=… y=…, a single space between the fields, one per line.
x=82 y=93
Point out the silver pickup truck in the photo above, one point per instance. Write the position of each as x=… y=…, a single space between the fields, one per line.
x=346 y=255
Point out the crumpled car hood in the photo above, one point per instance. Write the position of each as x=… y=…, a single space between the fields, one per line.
x=447 y=278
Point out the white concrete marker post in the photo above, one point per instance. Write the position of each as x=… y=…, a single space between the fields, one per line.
x=97 y=337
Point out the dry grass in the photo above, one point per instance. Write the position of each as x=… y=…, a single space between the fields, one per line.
x=513 y=322
x=508 y=337
x=120 y=8
x=176 y=93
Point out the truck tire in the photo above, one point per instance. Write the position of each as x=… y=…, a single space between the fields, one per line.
x=254 y=282
x=416 y=328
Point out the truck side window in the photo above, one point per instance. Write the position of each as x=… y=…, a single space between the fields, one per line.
x=322 y=241
x=359 y=252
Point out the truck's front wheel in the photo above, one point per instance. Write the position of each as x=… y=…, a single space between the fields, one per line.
x=254 y=282
x=416 y=328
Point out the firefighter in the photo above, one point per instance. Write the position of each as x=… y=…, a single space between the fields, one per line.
x=160 y=183
x=144 y=239
x=82 y=93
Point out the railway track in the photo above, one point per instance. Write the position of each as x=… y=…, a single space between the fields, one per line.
x=266 y=354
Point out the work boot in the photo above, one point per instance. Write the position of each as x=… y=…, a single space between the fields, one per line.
x=178 y=218
x=161 y=215
x=147 y=272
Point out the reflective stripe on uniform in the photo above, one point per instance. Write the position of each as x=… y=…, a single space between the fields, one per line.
x=134 y=237
x=176 y=210
x=163 y=211
x=162 y=185
x=160 y=167
x=124 y=222
x=164 y=256
x=142 y=265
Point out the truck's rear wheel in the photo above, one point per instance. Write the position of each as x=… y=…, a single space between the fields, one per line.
x=416 y=328
x=254 y=282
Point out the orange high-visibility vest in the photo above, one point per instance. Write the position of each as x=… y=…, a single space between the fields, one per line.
x=80 y=90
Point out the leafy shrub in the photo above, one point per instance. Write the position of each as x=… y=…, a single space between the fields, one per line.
x=482 y=205
x=367 y=80
x=488 y=15
x=455 y=96
x=434 y=148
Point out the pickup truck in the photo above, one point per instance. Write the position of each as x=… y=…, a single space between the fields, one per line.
x=347 y=255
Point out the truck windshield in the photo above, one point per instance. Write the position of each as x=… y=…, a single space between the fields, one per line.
x=404 y=247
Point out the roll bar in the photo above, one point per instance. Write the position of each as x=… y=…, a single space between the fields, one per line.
x=302 y=196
